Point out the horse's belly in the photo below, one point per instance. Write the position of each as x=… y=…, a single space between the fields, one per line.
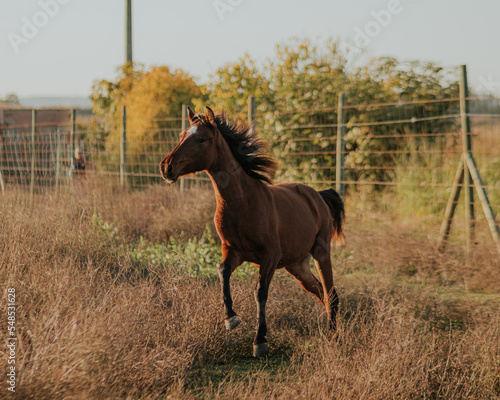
x=297 y=239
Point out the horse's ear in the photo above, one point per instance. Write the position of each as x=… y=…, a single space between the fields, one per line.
x=210 y=117
x=190 y=115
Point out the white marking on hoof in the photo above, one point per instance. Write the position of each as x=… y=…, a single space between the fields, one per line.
x=260 y=349
x=232 y=322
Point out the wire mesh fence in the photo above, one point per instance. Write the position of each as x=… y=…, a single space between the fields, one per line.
x=398 y=156
x=485 y=122
x=35 y=157
x=303 y=143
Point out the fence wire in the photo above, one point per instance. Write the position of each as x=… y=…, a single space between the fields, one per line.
x=401 y=156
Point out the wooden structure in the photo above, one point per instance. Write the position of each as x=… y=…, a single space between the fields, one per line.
x=469 y=178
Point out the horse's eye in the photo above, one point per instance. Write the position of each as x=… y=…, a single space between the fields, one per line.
x=200 y=140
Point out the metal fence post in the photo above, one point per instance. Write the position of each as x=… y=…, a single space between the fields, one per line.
x=2 y=183
x=58 y=158
x=73 y=131
x=33 y=154
x=184 y=126
x=340 y=153
x=72 y=137
x=123 y=148
x=251 y=113
x=467 y=149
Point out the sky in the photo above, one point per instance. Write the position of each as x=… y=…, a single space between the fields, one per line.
x=60 y=47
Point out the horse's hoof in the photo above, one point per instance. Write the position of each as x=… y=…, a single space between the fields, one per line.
x=232 y=322
x=260 y=349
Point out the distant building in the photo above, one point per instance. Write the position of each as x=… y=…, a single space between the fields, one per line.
x=14 y=115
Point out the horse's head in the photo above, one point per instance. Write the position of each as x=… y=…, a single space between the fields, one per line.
x=195 y=150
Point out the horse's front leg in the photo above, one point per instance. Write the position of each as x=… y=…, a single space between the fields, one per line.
x=260 y=346
x=230 y=263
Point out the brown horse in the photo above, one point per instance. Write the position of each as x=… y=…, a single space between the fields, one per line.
x=271 y=226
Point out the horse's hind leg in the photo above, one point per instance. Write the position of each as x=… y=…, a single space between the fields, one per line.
x=307 y=280
x=230 y=263
x=321 y=255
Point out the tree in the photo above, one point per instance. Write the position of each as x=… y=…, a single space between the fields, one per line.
x=153 y=99
x=299 y=89
x=400 y=85
x=297 y=93
x=108 y=96
x=300 y=77
x=230 y=86
x=306 y=78
x=11 y=98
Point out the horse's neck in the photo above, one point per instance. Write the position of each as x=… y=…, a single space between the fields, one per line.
x=233 y=187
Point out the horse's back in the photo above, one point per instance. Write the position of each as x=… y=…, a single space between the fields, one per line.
x=298 y=194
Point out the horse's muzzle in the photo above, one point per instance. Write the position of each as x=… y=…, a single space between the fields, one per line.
x=166 y=170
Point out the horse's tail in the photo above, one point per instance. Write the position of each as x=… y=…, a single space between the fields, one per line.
x=336 y=205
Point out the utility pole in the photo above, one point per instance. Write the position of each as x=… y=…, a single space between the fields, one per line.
x=128 y=60
x=128 y=31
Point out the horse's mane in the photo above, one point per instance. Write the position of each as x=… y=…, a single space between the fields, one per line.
x=246 y=147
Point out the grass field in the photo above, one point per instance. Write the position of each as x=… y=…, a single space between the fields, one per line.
x=124 y=302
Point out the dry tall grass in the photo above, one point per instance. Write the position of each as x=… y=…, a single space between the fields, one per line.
x=91 y=327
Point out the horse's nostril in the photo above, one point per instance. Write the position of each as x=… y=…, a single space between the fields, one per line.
x=169 y=169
